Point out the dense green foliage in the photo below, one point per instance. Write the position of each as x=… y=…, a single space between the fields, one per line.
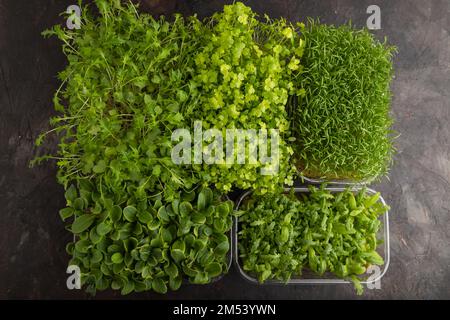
x=342 y=124
x=123 y=92
x=143 y=222
x=125 y=86
x=132 y=80
x=244 y=75
x=279 y=235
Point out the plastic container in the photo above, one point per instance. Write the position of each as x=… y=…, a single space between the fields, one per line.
x=215 y=279
x=337 y=182
x=309 y=277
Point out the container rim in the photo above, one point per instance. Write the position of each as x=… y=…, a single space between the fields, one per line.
x=338 y=182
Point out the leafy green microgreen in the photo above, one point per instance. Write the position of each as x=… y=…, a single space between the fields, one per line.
x=282 y=234
x=144 y=223
x=160 y=245
x=342 y=122
x=243 y=75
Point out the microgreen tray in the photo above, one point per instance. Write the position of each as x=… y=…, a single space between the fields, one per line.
x=229 y=259
x=339 y=182
x=307 y=276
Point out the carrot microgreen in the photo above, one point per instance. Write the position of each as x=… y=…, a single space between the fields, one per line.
x=342 y=122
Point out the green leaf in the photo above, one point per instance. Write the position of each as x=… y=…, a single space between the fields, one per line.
x=144 y=217
x=117 y=258
x=129 y=213
x=117 y=268
x=154 y=225
x=209 y=196
x=198 y=218
x=180 y=245
x=70 y=247
x=66 y=213
x=163 y=215
x=374 y=258
x=352 y=201
x=219 y=226
x=104 y=228
x=115 y=213
x=100 y=167
x=223 y=210
x=158 y=204
x=170 y=211
x=108 y=203
x=102 y=284
x=82 y=223
x=372 y=200
x=171 y=270
x=82 y=246
x=156 y=170
x=213 y=269
x=147 y=272
x=78 y=204
x=201 y=201
x=94 y=236
x=201 y=278
x=127 y=288
x=356 y=268
x=284 y=234
x=185 y=208
x=175 y=206
x=116 y=284
x=158 y=285
x=113 y=248
x=222 y=247
x=189 y=271
x=177 y=255
x=175 y=283
x=71 y=194
x=97 y=256
x=166 y=235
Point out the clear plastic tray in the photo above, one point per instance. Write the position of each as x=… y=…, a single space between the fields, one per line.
x=229 y=259
x=308 y=277
x=337 y=182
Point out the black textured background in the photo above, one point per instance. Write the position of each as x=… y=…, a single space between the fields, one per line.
x=32 y=237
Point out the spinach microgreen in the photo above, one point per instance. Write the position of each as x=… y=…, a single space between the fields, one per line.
x=149 y=246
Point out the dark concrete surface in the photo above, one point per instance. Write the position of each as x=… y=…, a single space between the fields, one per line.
x=32 y=237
